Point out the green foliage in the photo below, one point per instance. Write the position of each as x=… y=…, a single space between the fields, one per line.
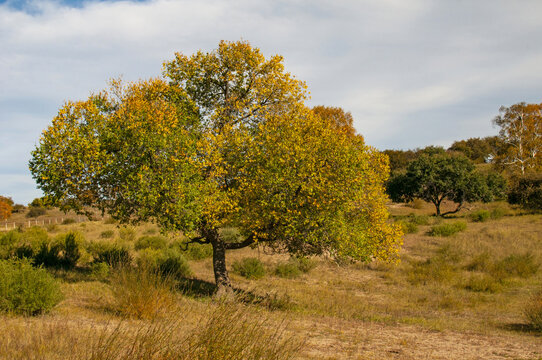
x=483 y=283
x=68 y=221
x=168 y=262
x=250 y=268
x=110 y=253
x=35 y=212
x=476 y=149
x=418 y=219
x=25 y=289
x=99 y=270
x=151 y=242
x=519 y=265
x=408 y=227
x=197 y=251
x=225 y=141
x=448 y=229
x=431 y=270
x=127 y=234
x=107 y=234
x=287 y=270
x=442 y=176
x=527 y=191
x=480 y=215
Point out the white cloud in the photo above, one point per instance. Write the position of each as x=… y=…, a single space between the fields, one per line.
x=412 y=73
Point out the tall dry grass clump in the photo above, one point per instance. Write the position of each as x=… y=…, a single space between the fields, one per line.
x=142 y=292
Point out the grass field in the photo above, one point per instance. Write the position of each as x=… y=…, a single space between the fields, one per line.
x=452 y=296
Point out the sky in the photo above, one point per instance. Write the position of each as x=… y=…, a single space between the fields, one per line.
x=412 y=72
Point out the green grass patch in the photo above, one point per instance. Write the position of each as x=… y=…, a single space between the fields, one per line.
x=250 y=268
x=448 y=229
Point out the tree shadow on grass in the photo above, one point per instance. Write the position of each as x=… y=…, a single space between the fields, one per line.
x=204 y=289
x=523 y=328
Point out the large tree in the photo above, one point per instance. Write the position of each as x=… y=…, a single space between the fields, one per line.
x=224 y=140
x=444 y=176
x=521 y=133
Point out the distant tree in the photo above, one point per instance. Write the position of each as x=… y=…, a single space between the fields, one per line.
x=399 y=159
x=6 y=207
x=430 y=150
x=226 y=142
x=340 y=119
x=478 y=150
x=521 y=133
x=527 y=191
x=442 y=176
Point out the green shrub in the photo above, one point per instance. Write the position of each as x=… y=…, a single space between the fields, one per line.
x=151 y=242
x=287 y=270
x=35 y=212
x=448 y=229
x=304 y=264
x=111 y=254
x=533 y=311
x=10 y=238
x=68 y=221
x=25 y=289
x=62 y=252
x=435 y=269
x=197 y=251
x=483 y=283
x=481 y=262
x=498 y=213
x=107 y=234
x=99 y=270
x=250 y=268
x=418 y=219
x=480 y=215
x=520 y=265
x=408 y=227
x=527 y=191
x=168 y=262
x=127 y=234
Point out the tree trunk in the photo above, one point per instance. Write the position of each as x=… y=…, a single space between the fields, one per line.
x=219 y=264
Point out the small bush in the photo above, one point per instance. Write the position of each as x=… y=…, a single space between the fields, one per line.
x=99 y=270
x=533 y=311
x=431 y=270
x=480 y=215
x=107 y=234
x=25 y=289
x=250 y=268
x=127 y=234
x=418 y=219
x=51 y=228
x=408 y=227
x=483 y=283
x=151 y=242
x=197 y=251
x=448 y=229
x=35 y=212
x=111 y=254
x=481 y=262
x=62 y=252
x=520 y=265
x=141 y=292
x=68 y=221
x=168 y=262
x=294 y=267
x=287 y=270
x=498 y=213
x=527 y=191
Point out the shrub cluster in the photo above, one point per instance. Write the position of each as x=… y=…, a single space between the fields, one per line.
x=527 y=192
x=448 y=229
x=25 y=289
x=294 y=267
x=250 y=268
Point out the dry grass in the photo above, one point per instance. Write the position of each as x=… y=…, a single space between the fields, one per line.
x=463 y=297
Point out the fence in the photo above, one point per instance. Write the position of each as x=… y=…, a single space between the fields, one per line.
x=6 y=226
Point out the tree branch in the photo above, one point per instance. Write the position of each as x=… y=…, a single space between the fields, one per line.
x=197 y=240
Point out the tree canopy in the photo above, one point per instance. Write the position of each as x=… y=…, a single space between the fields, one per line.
x=6 y=207
x=224 y=140
x=444 y=176
x=521 y=133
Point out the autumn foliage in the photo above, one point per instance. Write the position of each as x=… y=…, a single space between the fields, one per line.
x=224 y=140
x=6 y=207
